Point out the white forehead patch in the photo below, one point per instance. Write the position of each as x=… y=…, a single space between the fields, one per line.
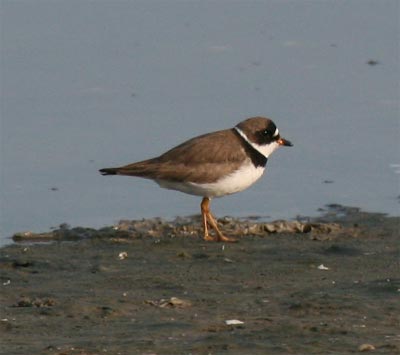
x=276 y=132
x=265 y=149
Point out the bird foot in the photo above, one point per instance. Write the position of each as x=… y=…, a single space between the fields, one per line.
x=209 y=238
x=219 y=238
x=208 y=218
x=222 y=238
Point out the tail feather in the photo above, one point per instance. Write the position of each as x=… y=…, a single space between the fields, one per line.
x=109 y=171
x=145 y=169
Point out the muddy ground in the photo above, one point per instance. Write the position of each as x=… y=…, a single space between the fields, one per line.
x=152 y=287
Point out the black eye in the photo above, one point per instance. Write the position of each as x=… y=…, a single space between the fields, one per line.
x=267 y=132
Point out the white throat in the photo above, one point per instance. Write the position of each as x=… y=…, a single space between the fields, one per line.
x=266 y=149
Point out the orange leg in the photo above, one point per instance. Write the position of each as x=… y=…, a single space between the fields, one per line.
x=209 y=218
x=204 y=211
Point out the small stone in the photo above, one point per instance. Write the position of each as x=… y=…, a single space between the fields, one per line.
x=183 y=255
x=366 y=347
x=173 y=302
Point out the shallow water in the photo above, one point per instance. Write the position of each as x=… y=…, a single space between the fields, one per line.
x=87 y=85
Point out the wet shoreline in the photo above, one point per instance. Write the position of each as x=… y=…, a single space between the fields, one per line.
x=152 y=287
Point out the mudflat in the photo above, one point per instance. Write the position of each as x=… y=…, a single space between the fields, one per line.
x=325 y=286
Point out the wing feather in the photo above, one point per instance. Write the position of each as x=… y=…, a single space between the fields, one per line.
x=200 y=160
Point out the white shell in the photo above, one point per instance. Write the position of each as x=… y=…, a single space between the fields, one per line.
x=233 y=322
x=322 y=267
x=122 y=255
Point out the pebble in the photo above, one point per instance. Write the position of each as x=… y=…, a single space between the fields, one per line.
x=366 y=347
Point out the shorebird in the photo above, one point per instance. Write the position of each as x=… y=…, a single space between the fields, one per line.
x=212 y=165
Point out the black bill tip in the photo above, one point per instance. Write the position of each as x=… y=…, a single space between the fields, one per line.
x=285 y=142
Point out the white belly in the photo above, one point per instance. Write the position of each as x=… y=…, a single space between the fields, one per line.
x=237 y=181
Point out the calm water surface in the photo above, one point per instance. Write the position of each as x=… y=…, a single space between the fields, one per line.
x=86 y=85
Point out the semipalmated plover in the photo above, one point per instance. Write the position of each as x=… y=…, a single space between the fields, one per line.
x=212 y=165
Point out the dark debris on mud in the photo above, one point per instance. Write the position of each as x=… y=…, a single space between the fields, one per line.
x=183 y=227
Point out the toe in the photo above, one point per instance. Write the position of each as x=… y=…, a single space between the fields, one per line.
x=222 y=238
x=209 y=238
